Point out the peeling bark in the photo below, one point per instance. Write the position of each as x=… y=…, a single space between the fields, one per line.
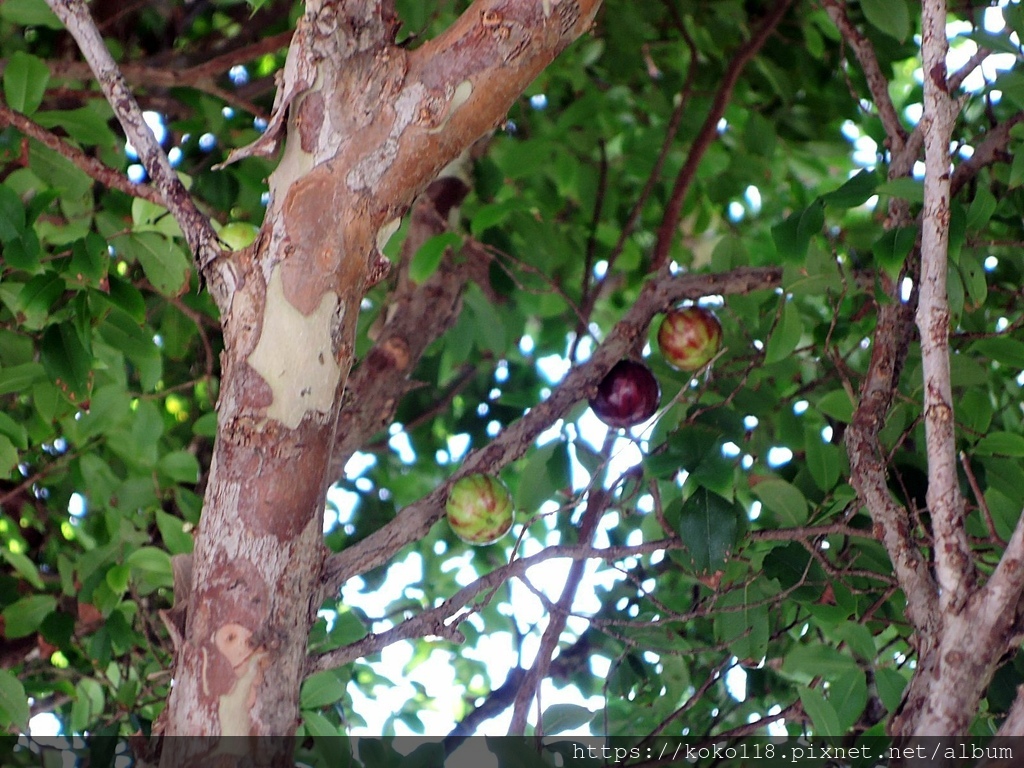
x=368 y=126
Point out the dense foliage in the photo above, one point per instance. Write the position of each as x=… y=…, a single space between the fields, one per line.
x=751 y=549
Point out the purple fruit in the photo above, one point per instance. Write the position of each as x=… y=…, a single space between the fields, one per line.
x=628 y=395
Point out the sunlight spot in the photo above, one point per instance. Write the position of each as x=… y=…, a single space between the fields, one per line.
x=779 y=455
x=553 y=367
x=991 y=262
x=458 y=445
x=77 y=505
x=755 y=511
x=400 y=444
x=358 y=463
x=800 y=407
x=753 y=197
x=238 y=74
x=736 y=682
x=906 y=287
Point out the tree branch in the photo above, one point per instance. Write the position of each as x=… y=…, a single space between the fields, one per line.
x=660 y=293
x=202 y=240
x=709 y=132
x=442 y=620
x=877 y=82
x=952 y=556
x=597 y=502
x=95 y=169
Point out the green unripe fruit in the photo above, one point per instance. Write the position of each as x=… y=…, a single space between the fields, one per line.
x=480 y=509
x=238 y=235
x=690 y=338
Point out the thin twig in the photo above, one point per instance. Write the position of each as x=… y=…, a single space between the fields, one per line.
x=199 y=233
x=92 y=167
x=709 y=132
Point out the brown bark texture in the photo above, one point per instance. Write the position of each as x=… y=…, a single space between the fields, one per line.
x=365 y=125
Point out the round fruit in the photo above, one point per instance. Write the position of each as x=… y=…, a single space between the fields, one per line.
x=238 y=235
x=690 y=338
x=480 y=509
x=628 y=395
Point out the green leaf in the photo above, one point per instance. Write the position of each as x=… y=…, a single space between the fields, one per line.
x=808 y=661
x=19 y=378
x=891 y=249
x=172 y=531
x=911 y=190
x=564 y=717
x=859 y=639
x=974 y=279
x=66 y=360
x=24 y=567
x=856 y=191
x=822 y=713
x=25 y=79
x=89 y=260
x=8 y=456
x=823 y=460
x=793 y=236
x=117 y=578
x=982 y=208
x=179 y=467
x=12 y=215
x=848 y=695
x=889 y=16
x=741 y=622
x=545 y=474
x=318 y=726
x=1016 y=171
x=166 y=266
x=428 y=257
x=709 y=526
x=321 y=690
x=1000 y=444
x=785 y=337
x=974 y=411
x=29 y=13
x=1003 y=349
x=837 y=405
x=14 y=709
x=890 y=684
x=23 y=617
x=784 y=499
x=792 y=565
x=151 y=564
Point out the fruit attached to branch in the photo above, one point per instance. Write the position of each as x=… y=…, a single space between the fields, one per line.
x=690 y=338
x=480 y=509
x=628 y=395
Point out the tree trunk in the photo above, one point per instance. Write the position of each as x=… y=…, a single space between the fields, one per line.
x=368 y=125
